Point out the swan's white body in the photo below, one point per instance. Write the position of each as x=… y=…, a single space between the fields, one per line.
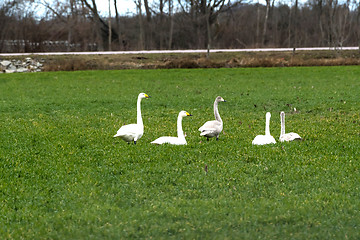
x=286 y=137
x=267 y=138
x=213 y=128
x=180 y=139
x=133 y=132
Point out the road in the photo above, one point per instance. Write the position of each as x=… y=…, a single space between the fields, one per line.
x=180 y=51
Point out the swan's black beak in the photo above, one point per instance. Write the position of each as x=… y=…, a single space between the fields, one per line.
x=225 y=100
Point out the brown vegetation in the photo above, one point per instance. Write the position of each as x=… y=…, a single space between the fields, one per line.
x=190 y=60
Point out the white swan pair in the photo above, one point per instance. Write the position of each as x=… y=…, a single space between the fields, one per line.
x=133 y=132
x=268 y=139
x=209 y=129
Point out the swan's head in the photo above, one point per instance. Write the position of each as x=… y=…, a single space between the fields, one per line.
x=184 y=114
x=268 y=115
x=282 y=114
x=143 y=95
x=220 y=99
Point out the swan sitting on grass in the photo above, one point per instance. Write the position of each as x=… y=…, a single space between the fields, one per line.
x=180 y=139
x=287 y=137
x=213 y=128
x=133 y=132
x=267 y=138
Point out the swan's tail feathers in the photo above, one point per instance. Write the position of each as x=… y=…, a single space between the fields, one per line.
x=298 y=138
x=288 y=137
x=159 y=141
x=121 y=131
x=118 y=134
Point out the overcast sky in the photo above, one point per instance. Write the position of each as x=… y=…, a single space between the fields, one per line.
x=128 y=7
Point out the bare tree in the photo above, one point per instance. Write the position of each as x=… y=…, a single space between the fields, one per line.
x=320 y=13
x=204 y=13
x=296 y=25
x=141 y=24
x=171 y=7
x=149 y=27
x=330 y=14
x=266 y=22
x=5 y=21
x=257 y=23
x=109 y=22
x=358 y=22
x=118 y=27
x=344 y=22
x=102 y=28
x=61 y=13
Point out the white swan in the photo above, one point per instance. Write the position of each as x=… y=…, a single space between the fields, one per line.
x=180 y=139
x=133 y=132
x=286 y=136
x=213 y=128
x=267 y=138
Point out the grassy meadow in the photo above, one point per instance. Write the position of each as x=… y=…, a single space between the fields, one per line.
x=63 y=175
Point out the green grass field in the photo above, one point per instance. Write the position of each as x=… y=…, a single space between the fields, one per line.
x=63 y=175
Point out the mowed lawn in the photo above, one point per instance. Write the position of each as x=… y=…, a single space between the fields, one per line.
x=64 y=176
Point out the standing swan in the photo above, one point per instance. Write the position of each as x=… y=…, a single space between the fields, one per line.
x=288 y=136
x=267 y=138
x=180 y=139
x=133 y=132
x=213 y=128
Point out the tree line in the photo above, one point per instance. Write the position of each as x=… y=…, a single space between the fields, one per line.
x=77 y=25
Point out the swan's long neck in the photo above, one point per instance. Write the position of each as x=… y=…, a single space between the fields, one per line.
x=267 y=126
x=139 y=118
x=282 y=119
x=216 y=111
x=180 y=132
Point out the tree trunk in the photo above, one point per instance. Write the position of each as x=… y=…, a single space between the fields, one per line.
x=295 y=44
x=258 y=25
x=320 y=13
x=71 y=23
x=266 y=22
x=358 y=25
x=141 y=25
x=109 y=23
x=118 y=27
x=171 y=23
x=148 y=27
x=161 y=32
x=208 y=33
x=290 y=27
